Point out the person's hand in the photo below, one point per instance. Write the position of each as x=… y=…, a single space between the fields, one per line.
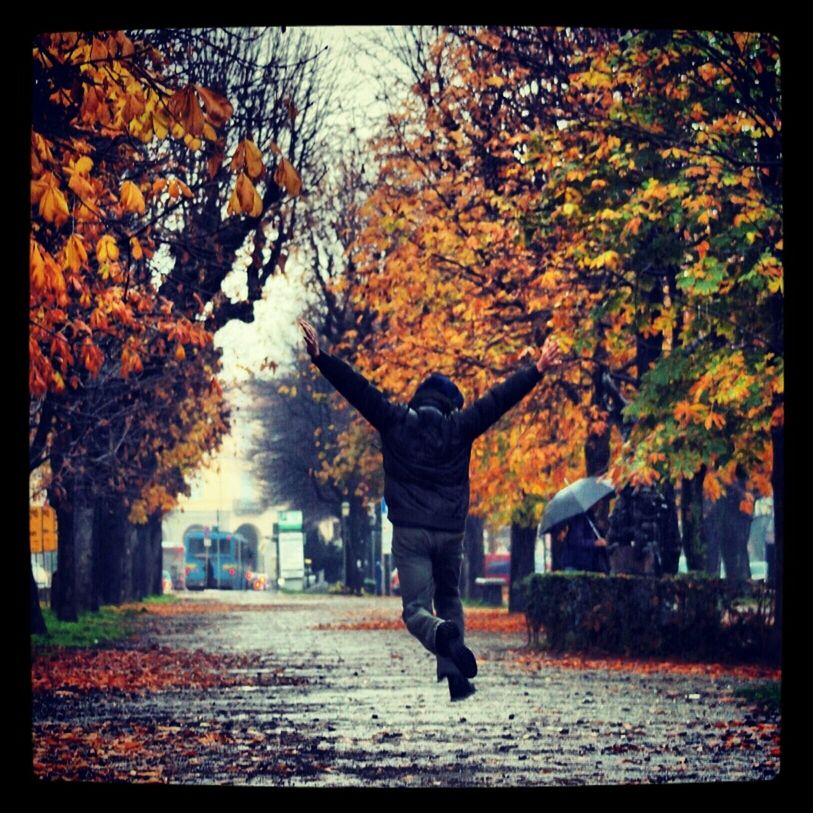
x=601 y=542
x=311 y=342
x=550 y=357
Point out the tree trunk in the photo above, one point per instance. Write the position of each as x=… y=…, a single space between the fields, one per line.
x=110 y=522
x=473 y=545
x=63 y=583
x=691 y=517
x=37 y=622
x=778 y=483
x=523 y=540
x=128 y=588
x=156 y=555
x=597 y=446
x=358 y=548
x=83 y=548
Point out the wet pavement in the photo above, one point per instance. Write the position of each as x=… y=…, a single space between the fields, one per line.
x=315 y=705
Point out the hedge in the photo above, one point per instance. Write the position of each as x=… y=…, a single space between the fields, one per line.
x=692 y=616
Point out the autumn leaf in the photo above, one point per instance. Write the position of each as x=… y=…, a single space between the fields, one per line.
x=75 y=254
x=53 y=206
x=132 y=200
x=185 y=107
x=248 y=157
x=106 y=249
x=135 y=248
x=286 y=176
x=218 y=108
x=245 y=199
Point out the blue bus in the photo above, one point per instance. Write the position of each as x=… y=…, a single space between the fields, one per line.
x=222 y=564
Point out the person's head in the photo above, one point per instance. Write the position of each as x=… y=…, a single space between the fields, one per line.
x=440 y=391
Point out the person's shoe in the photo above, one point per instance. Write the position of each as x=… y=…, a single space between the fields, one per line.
x=460 y=688
x=448 y=644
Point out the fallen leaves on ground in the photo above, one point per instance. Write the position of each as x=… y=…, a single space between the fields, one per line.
x=151 y=752
x=150 y=670
x=534 y=661
x=477 y=620
x=191 y=607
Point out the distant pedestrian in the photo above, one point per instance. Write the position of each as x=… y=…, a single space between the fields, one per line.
x=584 y=548
x=426 y=446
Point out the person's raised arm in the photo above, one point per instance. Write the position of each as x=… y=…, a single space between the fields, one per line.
x=359 y=392
x=486 y=411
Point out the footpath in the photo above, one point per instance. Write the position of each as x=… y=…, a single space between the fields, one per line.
x=331 y=691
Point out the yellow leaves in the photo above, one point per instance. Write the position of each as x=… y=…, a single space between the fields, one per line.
x=608 y=259
x=495 y=81
x=245 y=199
x=54 y=207
x=248 y=157
x=608 y=214
x=570 y=209
x=132 y=200
x=287 y=177
x=37 y=266
x=180 y=353
x=52 y=204
x=708 y=72
x=75 y=253
x=107 y=249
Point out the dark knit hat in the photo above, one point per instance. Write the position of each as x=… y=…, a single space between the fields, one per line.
x=439 y=383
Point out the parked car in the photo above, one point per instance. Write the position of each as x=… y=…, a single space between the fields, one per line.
x=497 y=566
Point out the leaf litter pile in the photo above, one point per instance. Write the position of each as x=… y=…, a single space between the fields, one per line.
x=161 y=750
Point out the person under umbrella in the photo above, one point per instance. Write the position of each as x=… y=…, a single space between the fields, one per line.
x=572 y=517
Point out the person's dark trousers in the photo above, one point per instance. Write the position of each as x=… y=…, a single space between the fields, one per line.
x=429 y=562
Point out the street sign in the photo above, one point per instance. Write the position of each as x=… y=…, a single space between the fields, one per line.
x=289 y=520
x=42 y=528
x=292 y=554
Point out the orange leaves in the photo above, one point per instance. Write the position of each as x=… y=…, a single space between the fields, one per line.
x=130 y=361
x=106 y=249
x=76 y=255
x=478 y=619
x=132 y=199
x=217 y=107
x=247 y=157
x=713 y=488
x=92 y=357
x=535 y=661
x=245 y=199
x=53 y=207
x=185 y=107
x=288 y=178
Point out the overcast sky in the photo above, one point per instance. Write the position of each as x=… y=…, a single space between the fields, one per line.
x=274 y=330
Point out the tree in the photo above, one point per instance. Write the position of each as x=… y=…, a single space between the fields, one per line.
x=123 y=142
x=621 y=189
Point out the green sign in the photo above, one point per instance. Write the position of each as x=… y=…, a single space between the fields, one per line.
x=289 y=520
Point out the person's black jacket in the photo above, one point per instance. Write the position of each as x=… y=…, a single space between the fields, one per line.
x=426 y=446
